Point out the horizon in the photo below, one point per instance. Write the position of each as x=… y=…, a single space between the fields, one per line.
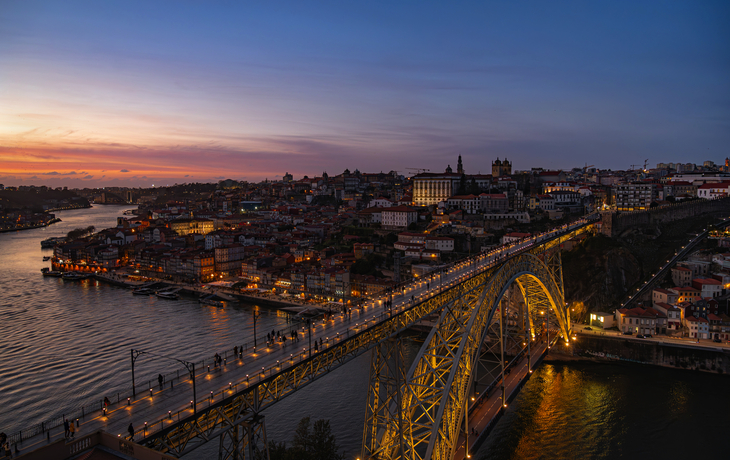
x=130 y=94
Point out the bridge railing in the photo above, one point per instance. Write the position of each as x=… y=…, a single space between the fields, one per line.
x=124 y=394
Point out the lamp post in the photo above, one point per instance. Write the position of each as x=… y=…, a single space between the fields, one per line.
x=188 y=365
x=255 y=318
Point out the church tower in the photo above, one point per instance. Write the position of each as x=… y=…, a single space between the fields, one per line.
x=459 y=166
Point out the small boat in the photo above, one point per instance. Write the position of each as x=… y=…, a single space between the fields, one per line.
x=51 y=273
x=75 y=276
x=167 y=295
x=211 y=302
x=143 y=291
x=46 y=258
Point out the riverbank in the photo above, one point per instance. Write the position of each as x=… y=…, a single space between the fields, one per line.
x=227 y=293
x=690 y=356
x=32 y=227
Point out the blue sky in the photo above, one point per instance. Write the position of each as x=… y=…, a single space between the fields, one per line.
x=195 y=91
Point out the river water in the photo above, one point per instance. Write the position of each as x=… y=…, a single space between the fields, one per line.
x=64 y=344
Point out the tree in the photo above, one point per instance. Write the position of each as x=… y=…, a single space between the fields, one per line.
x=309 y=443
x=80 y=232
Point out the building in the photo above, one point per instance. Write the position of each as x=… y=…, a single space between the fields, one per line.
x=603 y=320
x=514 y=237
x=681 y=276
x=634 y=196
x=398 y=217
x=440 y=243
x=637 y=320
x=686 y=294
x=699 y=328
x=501 y=168
x=673 y=315
x=470 y=204
x=708 y=287
x=494 y=202
x=187 y=226
x=433 y=188
x=663 y=296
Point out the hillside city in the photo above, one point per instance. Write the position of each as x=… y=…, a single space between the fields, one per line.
x=341 y=239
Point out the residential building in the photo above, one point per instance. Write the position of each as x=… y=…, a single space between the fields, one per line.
x=681 y=276
x=663 y=296
x=699 y=328
x=398 y=217
x=634 y=196
x=708 y=287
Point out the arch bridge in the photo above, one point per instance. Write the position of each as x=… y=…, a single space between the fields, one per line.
x=419 y=414
x=415 y=414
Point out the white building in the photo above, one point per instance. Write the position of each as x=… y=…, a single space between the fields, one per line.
x=398 y=217
x=440 y=243
x=713 y=190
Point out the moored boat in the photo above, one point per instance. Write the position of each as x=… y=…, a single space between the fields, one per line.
x=51 y=273
x=143 y=291
x=75 y=276
x=167 y=295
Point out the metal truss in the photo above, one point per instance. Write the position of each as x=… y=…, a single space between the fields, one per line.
x=442 y=371
x=245 y=441
x=183 y=437
x=434 y=396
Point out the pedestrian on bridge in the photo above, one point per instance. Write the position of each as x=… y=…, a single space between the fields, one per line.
x=65 y=428
x=130 y=429
x=160 y=379
x=72 y=430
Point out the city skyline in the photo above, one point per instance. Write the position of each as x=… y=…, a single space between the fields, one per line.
x=132 y=94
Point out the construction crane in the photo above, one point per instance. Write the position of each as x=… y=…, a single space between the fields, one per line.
x=418 y=170
x=585 y=168
x=645 y=161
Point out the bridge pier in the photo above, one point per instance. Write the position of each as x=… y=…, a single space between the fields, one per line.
x=245 y=441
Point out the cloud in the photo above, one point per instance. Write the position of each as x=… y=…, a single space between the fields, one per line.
x=124 y=170
x=187 y=175
x=52 y=173
x=88 y=177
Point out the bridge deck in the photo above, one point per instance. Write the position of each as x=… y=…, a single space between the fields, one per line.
x=483 y=414
x=161 y=408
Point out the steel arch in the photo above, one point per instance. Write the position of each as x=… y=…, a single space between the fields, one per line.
x=435 y=390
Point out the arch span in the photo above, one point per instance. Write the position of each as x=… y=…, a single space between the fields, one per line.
x=422 y=420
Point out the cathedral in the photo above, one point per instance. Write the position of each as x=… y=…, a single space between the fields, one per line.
x=501 y=168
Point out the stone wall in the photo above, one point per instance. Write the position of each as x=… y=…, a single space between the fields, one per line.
x=615 y=223
x=704 y=358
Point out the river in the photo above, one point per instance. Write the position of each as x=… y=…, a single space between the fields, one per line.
x=65 y=344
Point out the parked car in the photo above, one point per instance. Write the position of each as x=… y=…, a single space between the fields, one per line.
x=640 y=336
x=628 y=333
x=588 y=328
x=647 y=336
x=716 y=340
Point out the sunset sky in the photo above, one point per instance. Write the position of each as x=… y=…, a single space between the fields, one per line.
x=96 y=93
